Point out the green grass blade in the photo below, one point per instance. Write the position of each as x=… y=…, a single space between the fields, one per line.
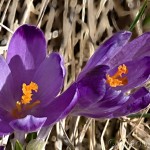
x=18 y=146
x=141 y=11
x=139 y=115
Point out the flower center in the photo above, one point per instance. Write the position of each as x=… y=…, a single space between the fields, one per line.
x=117 y=79
x=25 y=103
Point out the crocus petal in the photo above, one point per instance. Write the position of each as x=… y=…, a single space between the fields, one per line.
x=20 y=75
x=5 y=115
x=138 y=73
x=137 y=48
x=112 y=101
x=6 y=86
x=107 y=51
x=49 y=77
x=92 y=86
x=61 y=106
x=28 y=124
x=140 y=100
x=121 y=105
x=29 y=43
x=5 y=128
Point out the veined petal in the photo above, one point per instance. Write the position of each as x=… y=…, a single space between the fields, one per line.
x=140 y=93
x=60 y=107
x=28 y=124
x=29 y=43
x=49 y=77
x=140 y=100
x=135 y=49
x=107 y=51
x=103 y=108
x=121 y=105
x=92 y=87
x=138 y=73
x=6 y=86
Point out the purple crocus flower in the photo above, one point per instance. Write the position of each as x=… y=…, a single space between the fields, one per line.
x=115 y=68
x=29 y=84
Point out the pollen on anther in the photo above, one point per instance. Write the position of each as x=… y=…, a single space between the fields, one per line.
x=117 y=79
x=25 y=103
x=122 y=69
x=27 y=92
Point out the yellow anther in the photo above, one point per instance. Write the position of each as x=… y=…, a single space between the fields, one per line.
x=122 y=69
x=27 y=92
x=117 y=79
x=25 y=103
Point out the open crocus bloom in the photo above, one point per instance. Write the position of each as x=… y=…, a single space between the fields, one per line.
x=115 y=68
x=29 y=84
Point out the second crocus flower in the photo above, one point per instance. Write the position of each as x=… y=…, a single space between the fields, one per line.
x=115 y=68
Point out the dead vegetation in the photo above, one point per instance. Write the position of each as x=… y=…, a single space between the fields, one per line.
x=75 y=28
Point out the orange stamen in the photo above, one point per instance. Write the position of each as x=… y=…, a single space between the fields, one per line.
x=117 y=79
x=18 y=106
x=25 y=103
x=27 y=92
